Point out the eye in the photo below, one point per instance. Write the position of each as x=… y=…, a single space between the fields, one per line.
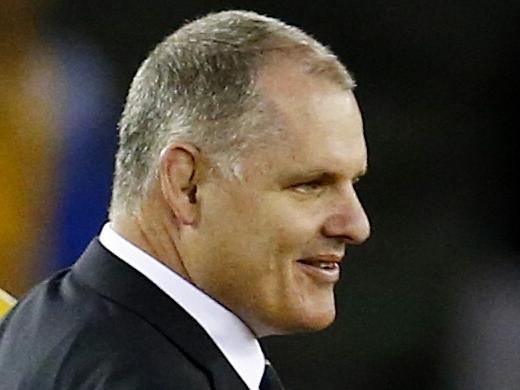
x=307 y=187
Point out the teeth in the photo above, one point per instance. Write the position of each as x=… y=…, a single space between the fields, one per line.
x=326 y=265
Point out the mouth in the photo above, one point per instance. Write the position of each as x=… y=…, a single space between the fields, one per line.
x=322 y=269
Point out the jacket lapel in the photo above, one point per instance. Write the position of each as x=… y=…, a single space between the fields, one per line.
x=114 y=279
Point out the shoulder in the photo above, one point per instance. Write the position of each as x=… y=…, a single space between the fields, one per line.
x=64 y=335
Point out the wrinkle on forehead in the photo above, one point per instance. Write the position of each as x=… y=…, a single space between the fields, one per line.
x=286 y=86
x=318 y=121
x=288 y=76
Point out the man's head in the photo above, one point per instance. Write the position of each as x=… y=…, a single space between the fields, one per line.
x=240 y=144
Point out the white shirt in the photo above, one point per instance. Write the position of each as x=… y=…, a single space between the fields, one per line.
x=230 y=334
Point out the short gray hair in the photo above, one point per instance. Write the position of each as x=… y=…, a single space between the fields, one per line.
x=198 y=86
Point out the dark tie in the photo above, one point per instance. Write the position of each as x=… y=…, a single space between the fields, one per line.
x=270 y=379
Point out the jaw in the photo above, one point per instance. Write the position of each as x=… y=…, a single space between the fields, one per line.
x=302 y=323
x=299 y=311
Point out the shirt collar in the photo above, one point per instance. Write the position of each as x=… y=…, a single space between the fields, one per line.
x=230 y=334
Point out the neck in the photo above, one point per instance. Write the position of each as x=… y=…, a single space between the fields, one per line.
x=154 y=231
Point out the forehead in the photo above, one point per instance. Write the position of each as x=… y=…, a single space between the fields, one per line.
x=321 y=125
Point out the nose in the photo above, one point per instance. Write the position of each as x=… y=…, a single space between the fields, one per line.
x=347 y=220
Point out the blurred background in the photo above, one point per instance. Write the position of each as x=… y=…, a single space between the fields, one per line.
x=432 y=300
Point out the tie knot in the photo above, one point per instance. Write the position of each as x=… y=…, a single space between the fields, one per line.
x=270 y=379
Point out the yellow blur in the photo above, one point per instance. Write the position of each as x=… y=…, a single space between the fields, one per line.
x=6 y=302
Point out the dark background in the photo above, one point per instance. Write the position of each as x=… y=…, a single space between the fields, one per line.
x=437 y=82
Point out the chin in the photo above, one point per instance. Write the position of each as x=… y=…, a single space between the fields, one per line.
x=301 y=316
x=318 y=321
x=317 y=314
x=300 y=322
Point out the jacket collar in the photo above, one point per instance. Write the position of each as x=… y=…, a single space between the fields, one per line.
x=115 y=280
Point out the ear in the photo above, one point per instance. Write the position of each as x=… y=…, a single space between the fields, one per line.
x=177 y=172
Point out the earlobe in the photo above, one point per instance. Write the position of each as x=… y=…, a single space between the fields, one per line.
x=177 y=168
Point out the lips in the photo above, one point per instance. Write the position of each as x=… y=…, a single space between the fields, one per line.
x=322 y=268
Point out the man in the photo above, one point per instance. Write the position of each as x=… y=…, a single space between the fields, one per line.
x=233 y=204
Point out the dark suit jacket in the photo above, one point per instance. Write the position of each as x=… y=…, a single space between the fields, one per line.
x=103 y=325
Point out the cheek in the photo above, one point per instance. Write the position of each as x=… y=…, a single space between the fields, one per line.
x=260 y=228
x=295 y=223
x=287 y=230
x=233 y=229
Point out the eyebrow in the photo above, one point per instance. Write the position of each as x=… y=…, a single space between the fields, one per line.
x=307 y=175
x=319 y=173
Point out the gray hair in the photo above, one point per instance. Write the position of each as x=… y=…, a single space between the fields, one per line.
x=198 y=86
